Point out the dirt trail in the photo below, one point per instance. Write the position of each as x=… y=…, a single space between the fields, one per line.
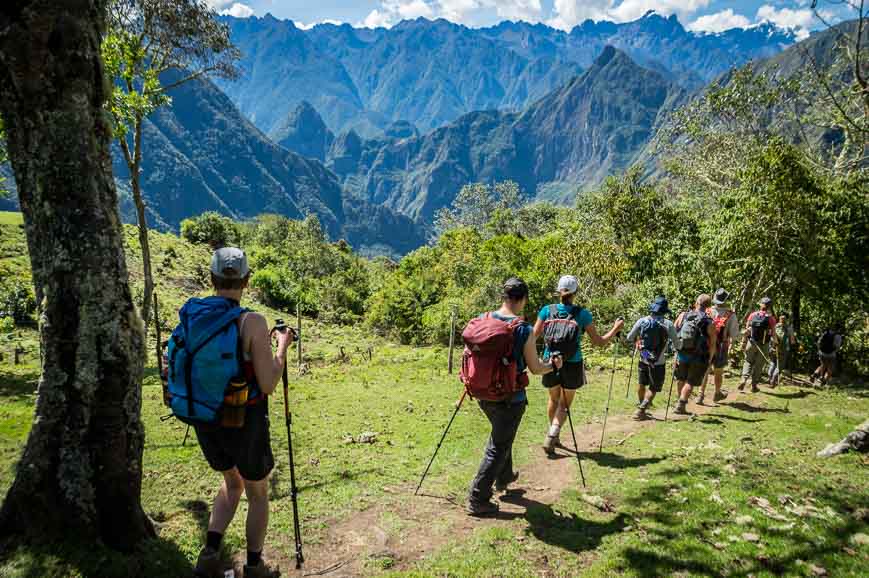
x=403 y=528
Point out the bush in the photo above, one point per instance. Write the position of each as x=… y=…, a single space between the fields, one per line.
x=211 y=228
x=17 y=301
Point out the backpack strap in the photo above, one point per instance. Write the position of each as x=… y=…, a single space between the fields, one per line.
x=553 y=311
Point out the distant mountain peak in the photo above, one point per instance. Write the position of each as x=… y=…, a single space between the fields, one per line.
x=609 y=52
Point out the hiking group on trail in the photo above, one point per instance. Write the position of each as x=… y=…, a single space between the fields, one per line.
x=220 y=370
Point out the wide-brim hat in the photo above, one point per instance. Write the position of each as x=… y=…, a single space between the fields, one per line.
x=765 y=301
x=660 y=306
x=721 y=296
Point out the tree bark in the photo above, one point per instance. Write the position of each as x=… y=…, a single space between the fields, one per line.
x=81 y=471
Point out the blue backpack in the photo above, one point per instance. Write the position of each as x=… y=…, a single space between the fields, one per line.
x=204 y=355
x=653 y=340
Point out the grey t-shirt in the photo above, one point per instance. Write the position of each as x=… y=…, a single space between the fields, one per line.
x=671 y=333
x=731 y=331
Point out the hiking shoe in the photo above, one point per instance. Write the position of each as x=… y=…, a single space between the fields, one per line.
x=719 y=396
x=261 y=570
x=701 y=399
x=549 y=444
x=681 y=408
x=754 y=388
x=741 y=386
x=641 y=414
x=502 y=486
x=478 y=509
x=208 y=564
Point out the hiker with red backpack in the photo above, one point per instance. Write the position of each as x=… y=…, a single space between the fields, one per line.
x=650 y=336
x=759 y=332
x=497 y=353
x=562 y=326
x=726 y=331
x=221 y=372
x=695 y=351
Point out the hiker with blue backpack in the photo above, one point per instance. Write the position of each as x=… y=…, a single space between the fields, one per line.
x=498 y=350
x=696 y=350
x=221 y=372
x=650 y=336
x=562 y=325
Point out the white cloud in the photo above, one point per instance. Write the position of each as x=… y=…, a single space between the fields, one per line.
x=569 y=13
x=220 y=5
x=797 y=20
x=238 y=10
x=468 y=12
x=720 y=21
x=632 y=9
x=303 y=26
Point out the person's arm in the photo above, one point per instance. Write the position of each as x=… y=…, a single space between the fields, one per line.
x=535 y=365
x=674 y=336
x=772 y=323
x=634 y=333
x=538 y=328
x=601 y=341
x=268 y=369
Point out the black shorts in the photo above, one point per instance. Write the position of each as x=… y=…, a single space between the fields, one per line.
x=691 y=372
x=720 y=360
x=247 y=448
x=652 y=376
x=570 y=376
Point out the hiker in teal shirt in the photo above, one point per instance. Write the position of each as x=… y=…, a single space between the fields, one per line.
x=562 y=385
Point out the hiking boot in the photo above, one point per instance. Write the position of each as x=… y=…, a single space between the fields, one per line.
x=701 y=399
x=681 y=408
x=208 y=564
x=640 y=414
x=719 y=396
x=754 y=388
x=503 y=486
x=261 y=570
x=478 y=509
x=812 y=378
x=741 y=386
x=549 y=443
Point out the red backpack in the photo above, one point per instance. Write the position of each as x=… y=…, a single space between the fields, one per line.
x=720 y=323
x=488 y=366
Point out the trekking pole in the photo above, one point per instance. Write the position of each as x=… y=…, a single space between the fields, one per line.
x=670 y=395
x=573 y=435
x=610 y=393
x=300 y=558
x=431 y=461
x=631 y=372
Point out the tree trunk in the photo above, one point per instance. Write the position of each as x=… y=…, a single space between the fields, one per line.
x=81 y=471
x=795 y=310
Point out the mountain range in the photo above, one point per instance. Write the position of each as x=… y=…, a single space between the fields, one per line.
x=380 y=182
x=429 y=73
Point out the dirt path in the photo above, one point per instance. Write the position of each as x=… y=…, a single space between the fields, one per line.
x=402 y=529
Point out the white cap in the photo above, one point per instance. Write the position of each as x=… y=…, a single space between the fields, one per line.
x=568 y=284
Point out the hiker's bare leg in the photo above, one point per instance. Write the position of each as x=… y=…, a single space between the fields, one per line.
x=257 y=513
x=684 y=390
x=554 y=401
x=719 y=379
x=226 y=501
x=641 y=392
x=561 y=417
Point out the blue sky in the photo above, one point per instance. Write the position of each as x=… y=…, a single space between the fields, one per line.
x=707 y=15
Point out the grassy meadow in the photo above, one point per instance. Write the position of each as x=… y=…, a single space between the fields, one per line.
x=734 y=491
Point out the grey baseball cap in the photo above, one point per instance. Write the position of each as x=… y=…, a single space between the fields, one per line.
x=568 y=284
x=229 y=263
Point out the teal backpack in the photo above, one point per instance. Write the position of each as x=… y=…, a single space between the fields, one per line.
x=204 y=355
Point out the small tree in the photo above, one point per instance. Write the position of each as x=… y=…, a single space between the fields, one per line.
x=146 y=39
x=211 y=228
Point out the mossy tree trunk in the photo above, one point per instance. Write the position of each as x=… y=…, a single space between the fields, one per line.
x=81 y=471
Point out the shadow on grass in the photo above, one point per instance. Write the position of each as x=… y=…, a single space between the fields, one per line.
x=616 y=461
x=702 y=419
x=748 y=408
x=53 y=559
x=555 y=528
x=675 y=542
x=803 y=393
x=18 y=385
